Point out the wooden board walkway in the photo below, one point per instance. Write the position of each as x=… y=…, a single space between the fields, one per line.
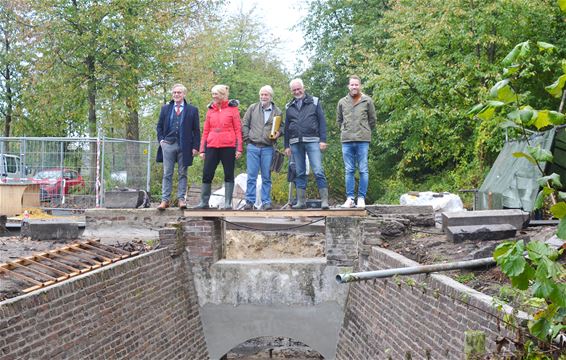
x=48 y=268
x=274 y=213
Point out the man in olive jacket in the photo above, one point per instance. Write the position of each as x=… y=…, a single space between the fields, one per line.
x=355 y=114
x=256 y=129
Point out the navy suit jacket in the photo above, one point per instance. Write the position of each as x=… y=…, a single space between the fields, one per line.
x=189 y=131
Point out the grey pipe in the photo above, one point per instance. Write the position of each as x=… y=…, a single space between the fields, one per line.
x=423 y=269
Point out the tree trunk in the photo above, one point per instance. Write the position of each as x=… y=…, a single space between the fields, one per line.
x=135 y=163
x=91 y=89
x=9 y=103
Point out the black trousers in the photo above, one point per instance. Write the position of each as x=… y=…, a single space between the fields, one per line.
x=212 y=157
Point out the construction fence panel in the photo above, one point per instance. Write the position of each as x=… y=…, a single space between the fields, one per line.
x=75 y=172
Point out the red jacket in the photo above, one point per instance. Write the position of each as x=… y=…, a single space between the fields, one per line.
x=222 y=127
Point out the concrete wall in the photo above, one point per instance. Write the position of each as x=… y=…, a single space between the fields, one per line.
x=139 y=308
x=295 y=298
x=246 y=299
x=416 y=317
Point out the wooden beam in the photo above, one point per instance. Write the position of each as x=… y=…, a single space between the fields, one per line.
x=29 y=269
x=95 y=248
x=46 y=267
x=112 y=249
x=213 y=213
x=93 y=254
x=46 y=256
x=20 y=276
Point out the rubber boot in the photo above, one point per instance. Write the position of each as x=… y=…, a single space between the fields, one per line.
x=228 y=193
x=324 y=198
x=204 y=196
x=301 y=204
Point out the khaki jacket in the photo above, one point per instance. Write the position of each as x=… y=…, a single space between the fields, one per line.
x=254 y=129
x=356 y=121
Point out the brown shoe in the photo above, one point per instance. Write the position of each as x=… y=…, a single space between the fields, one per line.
x=182 y=204
x=164 y=205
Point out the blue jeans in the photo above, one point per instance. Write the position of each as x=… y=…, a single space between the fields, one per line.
x=356 y=153
x=172 y=154
x=299 y=152
x=259 y=159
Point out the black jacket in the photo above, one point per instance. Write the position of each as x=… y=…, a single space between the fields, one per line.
x=307 y=124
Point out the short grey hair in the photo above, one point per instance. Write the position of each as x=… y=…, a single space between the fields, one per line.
x=266 y=88
x=298 y=81
x=181 y=86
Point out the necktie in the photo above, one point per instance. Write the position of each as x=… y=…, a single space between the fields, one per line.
x=177 y=109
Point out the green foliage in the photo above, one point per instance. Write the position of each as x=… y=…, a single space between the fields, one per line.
x=425 y=63
x=466 y=278
x=543 y=277
x=538 y=273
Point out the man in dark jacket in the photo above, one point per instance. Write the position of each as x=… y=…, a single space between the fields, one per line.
x=259 y=121
x=178 y=134
x=305 y=134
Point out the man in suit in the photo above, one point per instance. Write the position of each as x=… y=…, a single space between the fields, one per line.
x=178 y=134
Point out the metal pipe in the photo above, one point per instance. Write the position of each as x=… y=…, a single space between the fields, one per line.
x=423 y=269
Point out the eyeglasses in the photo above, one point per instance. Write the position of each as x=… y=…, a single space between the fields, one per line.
x=295 y=90
x=177 y=92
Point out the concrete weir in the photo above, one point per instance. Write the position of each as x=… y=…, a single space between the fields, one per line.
x=295 y=298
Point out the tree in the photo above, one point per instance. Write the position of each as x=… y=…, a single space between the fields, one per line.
x=423 y=62
x=15 y=39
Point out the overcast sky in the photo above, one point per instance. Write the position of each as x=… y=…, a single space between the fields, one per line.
x=279 y=17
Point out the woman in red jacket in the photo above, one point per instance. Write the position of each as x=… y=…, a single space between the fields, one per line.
x=221 y=142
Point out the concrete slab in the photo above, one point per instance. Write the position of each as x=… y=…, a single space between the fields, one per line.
x=516 y=217
x=480 y=232
x=50 y=230
x=129 y=199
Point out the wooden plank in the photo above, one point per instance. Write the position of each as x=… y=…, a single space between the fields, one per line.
x=20 y=276
x=78 y=247
x=84 y=267
x=70 y=252
x=46 y=267
x=27 y=268
x=15 y=197
x=79 y=256
x=68 y=267
x=97 y=244
x=212 y=213
x=88 y=246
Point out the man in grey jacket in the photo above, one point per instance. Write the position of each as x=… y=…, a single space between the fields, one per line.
x=355 y=114
x=257 y=129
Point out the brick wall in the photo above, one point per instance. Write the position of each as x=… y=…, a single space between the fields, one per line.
x=342 y=237
x=416 y=317
x=141 y=308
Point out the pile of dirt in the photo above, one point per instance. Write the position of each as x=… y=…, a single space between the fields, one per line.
x=244 y=244
x=431 y=246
